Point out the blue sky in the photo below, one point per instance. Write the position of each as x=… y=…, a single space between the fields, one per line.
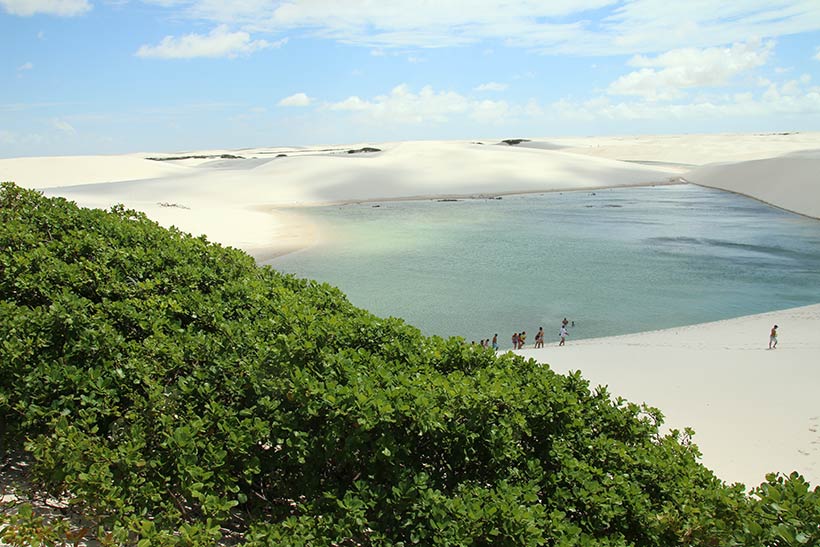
x=111 y=76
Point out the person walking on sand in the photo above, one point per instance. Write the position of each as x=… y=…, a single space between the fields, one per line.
x=773 y=338
x=495 y=341
x=522 y=338
x=539 y=338
x=563 y=334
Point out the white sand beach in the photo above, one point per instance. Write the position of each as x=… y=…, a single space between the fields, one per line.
x=754 y=410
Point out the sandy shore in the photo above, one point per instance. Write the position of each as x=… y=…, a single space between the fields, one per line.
x=754 y=410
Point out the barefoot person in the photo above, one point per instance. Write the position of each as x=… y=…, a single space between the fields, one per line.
x=522 y=338
x=563 y=334
x=495 y=341
x=539 y=338
x=773 y=338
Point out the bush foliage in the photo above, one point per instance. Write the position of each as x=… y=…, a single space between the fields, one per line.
x=175 y=393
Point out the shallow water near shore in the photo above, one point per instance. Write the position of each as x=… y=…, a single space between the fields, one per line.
x=614 y=261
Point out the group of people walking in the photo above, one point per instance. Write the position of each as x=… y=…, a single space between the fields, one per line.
x=486 y=343
x=519 y=339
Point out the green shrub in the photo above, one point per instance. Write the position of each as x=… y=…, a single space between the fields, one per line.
x=176 y=394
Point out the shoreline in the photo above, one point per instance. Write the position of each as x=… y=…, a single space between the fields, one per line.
x=750 y=196
x=754 y=410
x=313 y=230
x=472 y=196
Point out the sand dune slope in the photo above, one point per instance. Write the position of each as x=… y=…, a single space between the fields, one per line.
x=47 y=172
x=791 y=181
x=691 y=150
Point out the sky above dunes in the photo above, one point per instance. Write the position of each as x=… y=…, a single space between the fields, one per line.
x=110 y=76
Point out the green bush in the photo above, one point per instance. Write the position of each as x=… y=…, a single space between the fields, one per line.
x=177 y=394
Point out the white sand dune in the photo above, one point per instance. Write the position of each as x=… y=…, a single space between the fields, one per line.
x=782 y=169
x=691 y=150
x=238 y=201
x=784 y=181
x=754 y=410
x=53 y=171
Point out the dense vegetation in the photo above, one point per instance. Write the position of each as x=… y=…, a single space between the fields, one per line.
x=174 y=393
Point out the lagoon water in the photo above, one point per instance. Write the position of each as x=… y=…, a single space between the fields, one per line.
x=614 y=261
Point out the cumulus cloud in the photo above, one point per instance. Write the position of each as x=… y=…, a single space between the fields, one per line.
x=63 y=126
x=658 y=25
x=353 y=103
x=491 y=86
x=297 y=99
x=61 y=8
x=404 y=106
x=558 y=26
x=796 y=98
x=220 y=42
x=665 y=76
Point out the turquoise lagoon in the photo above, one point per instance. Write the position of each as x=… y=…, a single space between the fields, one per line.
x=614 y=261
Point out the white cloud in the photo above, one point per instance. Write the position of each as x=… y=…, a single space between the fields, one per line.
x=63 y=126
x=818 y=54
x=491 y=86
x=353 y=103
x=490 y=112
x=25 y=66
x=7 y=137
x=404 y=106
x=220 y=42
x=665 y=76
x=558 y=26
x=793 y=98
x=297 y=99
x=658 y=25
x=62 y=8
